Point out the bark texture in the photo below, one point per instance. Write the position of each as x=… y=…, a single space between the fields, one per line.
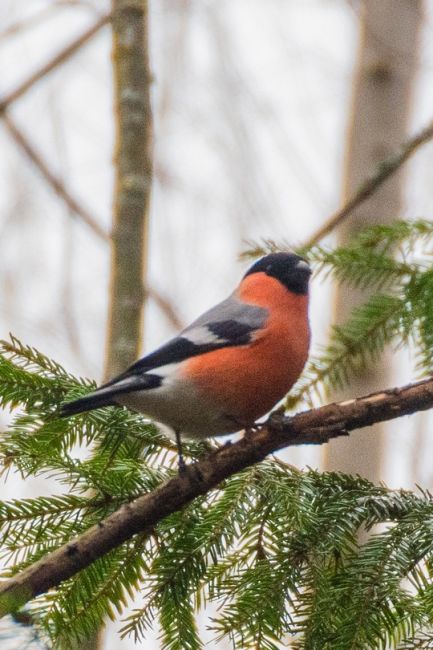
x=133 y=160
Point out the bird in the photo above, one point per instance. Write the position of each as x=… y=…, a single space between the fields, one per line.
x=230 y=366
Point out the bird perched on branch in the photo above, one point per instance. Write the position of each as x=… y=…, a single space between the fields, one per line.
x=230 y=366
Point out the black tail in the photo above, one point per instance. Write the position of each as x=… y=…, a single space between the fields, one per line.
x=104 y=395
x=83 y=404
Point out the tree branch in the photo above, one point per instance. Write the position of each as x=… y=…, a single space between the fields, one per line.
x=23 y=143
x=53 y=63
x=59 y=187
x=54 y=181
x=27 y=23
x=316 y=426
x=385 y=169
x=165 y=306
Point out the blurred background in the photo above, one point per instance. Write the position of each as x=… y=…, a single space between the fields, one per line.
x=268 y=114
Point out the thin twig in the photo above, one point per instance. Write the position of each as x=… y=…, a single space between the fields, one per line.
x=75 y=208
x=317 y=426
x=22 y=141
x=51 y=178
x=385 y=169
x=166 y=307
x=27 y=23
x=53 y=63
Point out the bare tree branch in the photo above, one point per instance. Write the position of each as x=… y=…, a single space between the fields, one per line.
x=54 y=181
x=141 y=515
x=75 y=208
x=385 y=169
x=165 y=306
x=27 y=23
x=53 y=63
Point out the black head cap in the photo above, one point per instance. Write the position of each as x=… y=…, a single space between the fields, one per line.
x=290 y=269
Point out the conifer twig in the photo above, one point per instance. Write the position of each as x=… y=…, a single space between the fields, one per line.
x=316 y=426
x=385 y=169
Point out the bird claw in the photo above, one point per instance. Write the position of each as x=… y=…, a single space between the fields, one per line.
x=250 y=431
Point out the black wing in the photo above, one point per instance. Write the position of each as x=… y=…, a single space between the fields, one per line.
x=228 y=324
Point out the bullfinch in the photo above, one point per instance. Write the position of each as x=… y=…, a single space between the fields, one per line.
x=230 y=366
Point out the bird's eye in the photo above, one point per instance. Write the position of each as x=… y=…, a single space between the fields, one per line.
x=303 y=265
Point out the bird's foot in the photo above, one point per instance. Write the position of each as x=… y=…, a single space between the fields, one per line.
x=181 y=461
x=181 y=466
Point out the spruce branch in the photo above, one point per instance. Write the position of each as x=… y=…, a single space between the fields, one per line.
x=316 y=426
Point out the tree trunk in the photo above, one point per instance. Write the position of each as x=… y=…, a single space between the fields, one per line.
x=386 y=68
x=133 y=160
